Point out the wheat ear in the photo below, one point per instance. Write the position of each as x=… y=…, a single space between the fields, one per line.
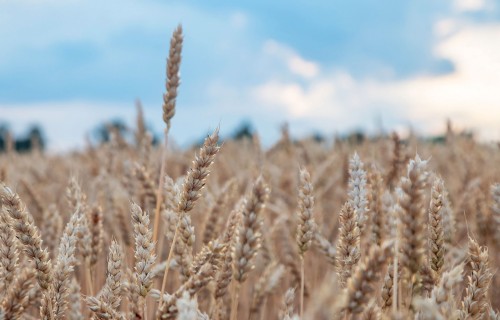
x=169 y=100
x=112 y=290
x=28 y=234
x=475 y=302
x=305 y=228
x=248 y=239
x=348 y=247
x=191 y=190
x=16 y=298
x=286 y=312
x=8 y=253
x=412 y=217
x=436 y=233
x=357 y=189
x=144 y=252
x=360 y=285
x=225 y=273
x=63 y=268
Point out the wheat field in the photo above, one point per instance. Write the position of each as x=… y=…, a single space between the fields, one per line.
x=386 y=228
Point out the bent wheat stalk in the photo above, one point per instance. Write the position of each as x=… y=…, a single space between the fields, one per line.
x=191 y=191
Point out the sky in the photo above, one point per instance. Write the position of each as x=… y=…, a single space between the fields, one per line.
x=322 y=66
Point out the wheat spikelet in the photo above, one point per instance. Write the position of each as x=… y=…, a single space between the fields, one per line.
x=212 y=253
x=387 y=288
x=378 y=226
x=225 y=273
x=112 y=290
x=360 y=285
x=475 y=302
x=412 y=217
x=396 y=164
x=249 y=235
x=27 y=233
x=286 y=312
x=195 y=179
x=348 y=250
x=436 y=233
x=249 y=238
x=64 y=266
x=97 y=231
x=183 y=248
x=173 y=81
x=144 y=250
x=8 y=253
x=305 y=229
x=16 y=297
x=357 y=189
x=426 y=281
x=102 y=310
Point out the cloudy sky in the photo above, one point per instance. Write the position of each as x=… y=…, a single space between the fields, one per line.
x=329 y=66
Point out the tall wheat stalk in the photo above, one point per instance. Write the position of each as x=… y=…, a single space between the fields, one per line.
x=169 y=100
x=191 y=191
x=305 y=228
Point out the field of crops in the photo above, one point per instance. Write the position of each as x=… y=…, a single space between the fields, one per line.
x=385 y=228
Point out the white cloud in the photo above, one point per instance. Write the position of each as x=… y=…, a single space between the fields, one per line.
x=445 y=27
x=295 y=63
x=468 y=95
x=470 y=5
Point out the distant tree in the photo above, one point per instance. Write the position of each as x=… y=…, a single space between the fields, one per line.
x=318 y=137
x=356 y=137
x=34 y=140
x=102 y=133
x=4 y=133
x=36 y=137
x=439 y=139
x=244 y=130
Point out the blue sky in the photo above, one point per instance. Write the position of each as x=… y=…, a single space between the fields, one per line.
x=328 y=66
